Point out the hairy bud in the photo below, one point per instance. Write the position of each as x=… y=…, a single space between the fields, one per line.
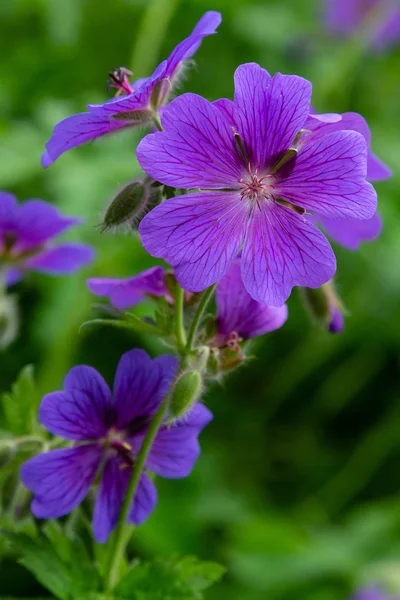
x=186 y=393
x=131 y=203
x=325 y=306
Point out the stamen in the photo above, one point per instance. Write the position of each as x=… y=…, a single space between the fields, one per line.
x=119 y=80
x=239 y=142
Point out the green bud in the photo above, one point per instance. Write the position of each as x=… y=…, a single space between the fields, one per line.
x=317 y=302
x=186 y=392
x=9 y=321
x=131 y=203
x=7 y=453
x=325 y=306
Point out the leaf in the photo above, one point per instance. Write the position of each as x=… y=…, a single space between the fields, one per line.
x=20 y=405
x=174 y=579
x=58 y=563
x=132 y=322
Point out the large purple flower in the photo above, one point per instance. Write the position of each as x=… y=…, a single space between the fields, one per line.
x=136 y=108
x=239 y=317
x=349 y=232
x=379 y=18
x=27 y=232
x=255 y=187
x=108 y=431
x=125 y=293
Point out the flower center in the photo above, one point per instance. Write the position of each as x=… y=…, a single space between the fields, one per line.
x=115 y=441
x=255 y=188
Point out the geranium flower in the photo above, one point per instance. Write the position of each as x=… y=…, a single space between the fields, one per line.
x=143 y=98
x=27 y=233
x=379 y=18
x=255 y=187
x=108 y=431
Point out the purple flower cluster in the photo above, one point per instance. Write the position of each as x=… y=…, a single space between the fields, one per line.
x=379 y=18
x=140 y=102
x=107 y=431
x=27 y=232
x=258 y=175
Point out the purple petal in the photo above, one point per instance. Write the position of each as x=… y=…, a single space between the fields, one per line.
x=343 y=16
x=350 y=233
x=60 y=479
x=270 y=111
x=197 y=148
x=328 y=176
x=124 y=293
x=78 y=129
x=376 y=168
x=238 y=312
x=282 y=250
x=8 y=215
x=371 y=593
x=83 y=411
x=176 y=447
x=185 y=50
x=386 y=30
x=61 y=260
x=321 y=125
x=38 y=222
x=144 y=501
x=110 y=497
x=227 y=108
x=199 y=234
x=141 y=384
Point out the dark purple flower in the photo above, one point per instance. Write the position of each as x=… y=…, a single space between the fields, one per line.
x=108 y=431
x=27 y=232
x=136 y=108
x=125 y=293
x=255 y=187
x=379 y=19
x=238 y=315
x=349 y=232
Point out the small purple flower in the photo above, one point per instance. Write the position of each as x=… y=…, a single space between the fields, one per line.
x=379 y=18
x=255 y=187
x=239 y=317
x=137 y=107
x=349 y=232
x=372 y=593
x=125 y=293
x=26 y=240
x=108 y=431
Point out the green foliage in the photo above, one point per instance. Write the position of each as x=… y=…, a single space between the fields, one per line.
x=175 y=579
x=20 y=405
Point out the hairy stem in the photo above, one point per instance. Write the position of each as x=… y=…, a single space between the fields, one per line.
x=179 y=324
x=205 y=299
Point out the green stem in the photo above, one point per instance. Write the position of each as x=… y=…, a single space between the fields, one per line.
x=157 y=121
x=179 y=324
x=205 y=299
x=122 y=536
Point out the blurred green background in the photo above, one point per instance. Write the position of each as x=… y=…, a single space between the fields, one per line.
x=297 y=489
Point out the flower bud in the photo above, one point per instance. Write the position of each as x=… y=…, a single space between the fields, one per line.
x=186 y=393
x=131 y=203
x=9 y=321
x=325 y=306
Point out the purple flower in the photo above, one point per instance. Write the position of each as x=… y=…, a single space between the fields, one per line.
x=26 y=240
x=125 y=293
x=379 y=18
x=349 y=232
x=239 y=317
x=143 y=98
x=371 y=593
x=255 y=187
x=108 y=431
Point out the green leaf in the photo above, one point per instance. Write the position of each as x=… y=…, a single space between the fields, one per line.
x=20 y=405
x=174 y=579
x=60 y=564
